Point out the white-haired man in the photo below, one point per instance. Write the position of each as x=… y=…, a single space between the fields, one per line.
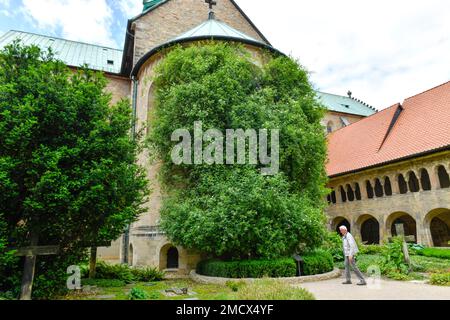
x=350 y=251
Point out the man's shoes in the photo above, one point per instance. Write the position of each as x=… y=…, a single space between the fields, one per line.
x=362 y=283
x=347 y=282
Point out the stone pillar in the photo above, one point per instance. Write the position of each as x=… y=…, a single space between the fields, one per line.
x=394 y=184
x=434 y=178
x=363 y=188
x=423 y=232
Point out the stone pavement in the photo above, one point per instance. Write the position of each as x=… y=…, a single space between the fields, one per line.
x=385 y=290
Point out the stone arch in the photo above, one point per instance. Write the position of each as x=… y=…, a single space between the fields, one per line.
x=378 y=188
x=413 y=182
x=169 y=257
x=444 y=179
x=350 y=193
x=357 y=191
x=408 y=222
x=369 y=228
x=425 y=179
x=369 y=189
x=343 y=194
x=438 y=222
x=387 y=186
x=340 y=221
x=330 y=126
x=402 y=185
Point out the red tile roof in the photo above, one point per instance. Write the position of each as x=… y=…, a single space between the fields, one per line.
x=422 y=126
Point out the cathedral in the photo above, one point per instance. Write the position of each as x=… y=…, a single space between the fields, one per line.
x=387 y=169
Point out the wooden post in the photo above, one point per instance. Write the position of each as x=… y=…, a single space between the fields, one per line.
x=93 y=262
x=28 y=271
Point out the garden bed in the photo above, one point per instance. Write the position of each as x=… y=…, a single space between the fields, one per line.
x=291 y=280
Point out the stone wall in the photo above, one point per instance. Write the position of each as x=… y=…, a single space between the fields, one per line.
x=119 y=87
x=422 y=204
x=178 y=16
x=335 y=119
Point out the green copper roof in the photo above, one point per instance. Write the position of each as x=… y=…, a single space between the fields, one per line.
x=72 y=53
x=214 y=28
x=345 y=104
x=148 y=4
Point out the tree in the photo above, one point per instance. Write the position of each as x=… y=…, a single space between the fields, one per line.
x=232 y=211
x=68 y=169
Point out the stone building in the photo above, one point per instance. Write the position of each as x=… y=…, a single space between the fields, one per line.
x=393 y=168
x=163 y=24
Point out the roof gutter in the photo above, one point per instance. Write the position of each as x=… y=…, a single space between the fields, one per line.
x=420 y=154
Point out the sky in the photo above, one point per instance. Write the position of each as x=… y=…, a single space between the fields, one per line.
x=383 y=51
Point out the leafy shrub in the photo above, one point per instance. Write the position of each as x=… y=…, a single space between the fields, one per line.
x=440 y=279
x=147 y=274
x=127 y=274
x=371 y=249
x=398 y=276
x=333 y=244
x=154 y=295
x=118 y=271
x=267 y=289
x=393 y=258
x=137 y=294
x=248 y=268
x=435 y=253
x=317 y=262
x=103 y=283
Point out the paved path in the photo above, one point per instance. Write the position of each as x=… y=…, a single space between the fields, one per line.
x=387 y=290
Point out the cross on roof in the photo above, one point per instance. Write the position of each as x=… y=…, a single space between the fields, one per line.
x=211 y=3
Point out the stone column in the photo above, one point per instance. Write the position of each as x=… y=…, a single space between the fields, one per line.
x=363 y=188
x=434 y=178
x=394 y=185
x=423 y=232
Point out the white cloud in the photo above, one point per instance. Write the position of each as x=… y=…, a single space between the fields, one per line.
x=5 y=3
x=80 y=20
x=130 y=8
x=384 y=51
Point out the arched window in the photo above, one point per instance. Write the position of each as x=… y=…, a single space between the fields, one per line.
x=444 y=179
x=425 y=180
x=350 y=193
x=333 y=196
x=387 y=186
x=343 y=194
x=378 y=189
x=357 y=191
x=369 y=189
x=172 y=258
x=403 y=187
x=329 y=199
x=413 y=182
x=330 y=127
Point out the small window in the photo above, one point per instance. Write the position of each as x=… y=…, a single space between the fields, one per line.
x=110 y=62
x=345 y=121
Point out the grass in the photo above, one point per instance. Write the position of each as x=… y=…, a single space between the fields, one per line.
x=436 y=253
x=259 y=290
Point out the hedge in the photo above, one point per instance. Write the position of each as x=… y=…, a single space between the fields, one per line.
x=248 y=268
x=435 y=253
x=316 y=262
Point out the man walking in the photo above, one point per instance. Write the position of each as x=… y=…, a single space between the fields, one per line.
x=350 y=251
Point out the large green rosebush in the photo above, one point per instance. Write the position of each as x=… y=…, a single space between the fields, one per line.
x=68 y=165
x=232 y=211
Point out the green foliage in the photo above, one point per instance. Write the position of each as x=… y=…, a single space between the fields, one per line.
x=430 y=264
x=68 y=169
x=435 y=253
x=267 y=289
x=371 y=249
x=127 y=274
x=147 y=274
x=137 y=294
x=317 y=262
x=333 y=244
x=440 y=279
x=248 y=268
x=233 y=211
x=393 y=261
x=103 y=283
